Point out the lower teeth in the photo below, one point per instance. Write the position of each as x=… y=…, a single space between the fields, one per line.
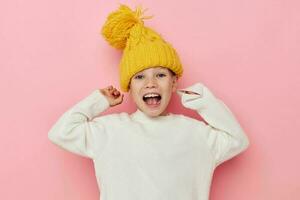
x=152 y=101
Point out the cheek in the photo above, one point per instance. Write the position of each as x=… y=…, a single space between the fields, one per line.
x=135 y=97
x=169 y=86
x=136 y=85
x=134 y=93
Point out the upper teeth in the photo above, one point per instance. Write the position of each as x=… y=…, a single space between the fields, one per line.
x=151 y=95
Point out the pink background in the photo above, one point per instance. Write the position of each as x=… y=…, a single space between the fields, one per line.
x=246 y=52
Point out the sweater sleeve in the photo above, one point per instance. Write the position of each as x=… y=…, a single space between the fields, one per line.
x=223 y=133
x=77 y=132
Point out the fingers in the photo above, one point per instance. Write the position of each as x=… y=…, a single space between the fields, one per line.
x=113 y=91
x=189 y=92
x=118 y=100
x=116 y=92
x=184 y=91
x=110 y=87
x=113 y=95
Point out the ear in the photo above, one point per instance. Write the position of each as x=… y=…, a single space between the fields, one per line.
x=174 y=83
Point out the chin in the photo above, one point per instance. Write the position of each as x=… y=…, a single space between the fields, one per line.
x=153 y=112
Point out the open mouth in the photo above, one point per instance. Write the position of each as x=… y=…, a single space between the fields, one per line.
x=152 y=99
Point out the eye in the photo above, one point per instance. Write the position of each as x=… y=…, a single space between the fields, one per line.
x=161 y=75
x=138 y=76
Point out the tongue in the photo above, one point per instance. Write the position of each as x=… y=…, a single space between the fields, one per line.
x=152 y=101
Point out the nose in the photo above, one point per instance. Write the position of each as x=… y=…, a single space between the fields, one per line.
x=151 y=83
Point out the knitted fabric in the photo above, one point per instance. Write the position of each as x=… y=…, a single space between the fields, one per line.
x=142 y=46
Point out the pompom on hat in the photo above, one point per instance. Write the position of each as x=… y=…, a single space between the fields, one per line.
x=142 y=46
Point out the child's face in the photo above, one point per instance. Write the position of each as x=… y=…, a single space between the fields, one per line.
x=158 y=81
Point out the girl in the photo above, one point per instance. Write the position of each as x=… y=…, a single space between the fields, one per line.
x=149 y=154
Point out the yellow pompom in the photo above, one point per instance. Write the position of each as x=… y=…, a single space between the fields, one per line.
x=116 y=29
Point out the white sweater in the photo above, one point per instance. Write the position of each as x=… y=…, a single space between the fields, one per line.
x=137 y=157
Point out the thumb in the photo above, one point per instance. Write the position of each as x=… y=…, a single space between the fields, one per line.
x=120 y=97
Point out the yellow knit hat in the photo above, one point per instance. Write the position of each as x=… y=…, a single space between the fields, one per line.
x=142 y=46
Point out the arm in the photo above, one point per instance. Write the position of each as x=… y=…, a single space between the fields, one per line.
x=77 y=132
x=223 y=134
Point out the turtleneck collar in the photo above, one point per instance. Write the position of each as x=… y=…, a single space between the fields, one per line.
x=141 y=116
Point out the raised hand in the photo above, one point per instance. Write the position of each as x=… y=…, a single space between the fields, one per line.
x=113 y=95
x=188 y=92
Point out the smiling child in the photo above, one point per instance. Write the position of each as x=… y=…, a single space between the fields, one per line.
x=150 y=154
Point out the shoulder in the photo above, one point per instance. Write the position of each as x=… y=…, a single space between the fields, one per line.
x=113 y=118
